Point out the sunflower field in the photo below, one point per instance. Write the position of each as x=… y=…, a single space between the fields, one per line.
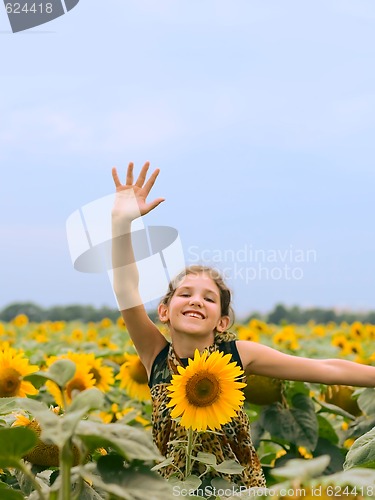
x=75 y=416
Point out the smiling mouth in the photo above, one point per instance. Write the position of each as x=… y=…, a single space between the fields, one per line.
x=193 y=314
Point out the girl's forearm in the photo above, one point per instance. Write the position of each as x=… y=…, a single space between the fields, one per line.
x=125 y=272
x=342 y=372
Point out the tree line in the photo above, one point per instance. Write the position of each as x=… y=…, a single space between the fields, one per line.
x=280 y=314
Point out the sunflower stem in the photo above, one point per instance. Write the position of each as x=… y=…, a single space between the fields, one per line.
x=63 y=398
x=66 y=462
x=31 y=476
x=189 y=450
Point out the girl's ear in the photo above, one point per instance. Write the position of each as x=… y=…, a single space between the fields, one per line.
x=223 y=324
x=163 y=313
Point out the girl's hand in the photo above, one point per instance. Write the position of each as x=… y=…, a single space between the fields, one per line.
x=130 y=199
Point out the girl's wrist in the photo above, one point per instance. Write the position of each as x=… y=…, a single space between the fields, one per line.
x=121 y=224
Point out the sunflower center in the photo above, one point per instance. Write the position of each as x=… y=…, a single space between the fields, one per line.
x=96 y=375
x=138 y=372
x=74 y=387
x=10 y=382
x=202 y=389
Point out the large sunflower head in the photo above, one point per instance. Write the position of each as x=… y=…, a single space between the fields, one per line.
x=133 y=378
x=83 y=378
x=206 y=394
x=13 y=367
x=103 y=375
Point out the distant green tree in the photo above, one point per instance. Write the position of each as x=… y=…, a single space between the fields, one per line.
x=278 y=315
x=32 y=311
x=78 y=312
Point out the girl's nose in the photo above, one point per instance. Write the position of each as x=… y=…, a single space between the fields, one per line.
x=195 y=300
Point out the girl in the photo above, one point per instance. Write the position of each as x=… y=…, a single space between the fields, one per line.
x=198 y=313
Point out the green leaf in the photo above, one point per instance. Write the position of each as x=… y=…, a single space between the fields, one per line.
x=302 y=469
x=7 y=493
x=229 y=467
x=325 y=447
x=336 y=410
x=164 y=463
x=8 y=405
x=60 y=372
x=205 y=458
x=326 y=431
x=57 y=429
x=191 y=483
x=355 y=477
x=366 y=401
x=128 y=483
x=298 y=425
x=90 y=399
x=130 y=442
x=360 y=426
x=15 y=443
x=362 y=453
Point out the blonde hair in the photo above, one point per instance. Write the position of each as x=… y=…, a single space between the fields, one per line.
x=225 y=294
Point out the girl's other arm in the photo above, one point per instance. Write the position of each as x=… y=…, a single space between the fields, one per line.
x=258 y=359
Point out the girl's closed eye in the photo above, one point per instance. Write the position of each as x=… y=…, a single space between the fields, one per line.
x=209 y=299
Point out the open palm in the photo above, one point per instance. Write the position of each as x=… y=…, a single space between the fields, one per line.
x=130 y=199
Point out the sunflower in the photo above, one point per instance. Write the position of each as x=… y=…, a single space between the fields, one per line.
x=83 y=378
x=133 y=378
x=103 y=375
x=206 y=393
x=106 y=343
x=286 y=338
x=340 y=340
x=105 y=323
x=76 y=335
x=13 y=367
x=46 y=455
x=246 y=333
x=20 y=320
x=116 y=413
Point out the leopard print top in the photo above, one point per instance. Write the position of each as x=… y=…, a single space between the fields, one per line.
x=234 y=443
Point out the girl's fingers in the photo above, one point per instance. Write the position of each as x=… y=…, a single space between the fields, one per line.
x=155 y=203
x=142 y=175
x=129 y=174
x=151 y=181
x=115 y=177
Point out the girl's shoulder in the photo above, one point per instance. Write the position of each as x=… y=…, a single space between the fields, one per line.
x=230 y=347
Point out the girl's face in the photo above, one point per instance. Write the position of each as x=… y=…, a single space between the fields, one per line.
x=195 y=307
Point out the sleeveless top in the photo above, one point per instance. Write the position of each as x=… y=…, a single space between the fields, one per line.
x=234 y=441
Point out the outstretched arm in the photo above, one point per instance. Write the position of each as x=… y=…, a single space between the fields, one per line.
x=258 y=359
x=130 y=203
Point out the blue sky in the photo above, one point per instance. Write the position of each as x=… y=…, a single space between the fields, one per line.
x=260 y=115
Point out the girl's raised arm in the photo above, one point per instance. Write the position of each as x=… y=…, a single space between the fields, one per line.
x=130 y=203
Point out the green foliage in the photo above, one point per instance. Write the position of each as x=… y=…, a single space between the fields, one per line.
x=279 y=315
x=282 y=314
x=128 y=483
x=6 y=493
x=125 y=474
x=60 y=372
x=362 y=452
x=297 y=425
x=15 y=442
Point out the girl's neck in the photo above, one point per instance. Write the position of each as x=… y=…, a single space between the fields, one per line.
x=185 y=345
